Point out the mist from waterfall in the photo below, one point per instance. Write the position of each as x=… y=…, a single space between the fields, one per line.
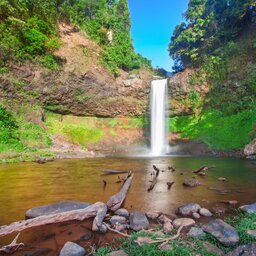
x=159 y=118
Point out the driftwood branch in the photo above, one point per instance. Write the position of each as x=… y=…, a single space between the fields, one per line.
x=12 y=247
x=109 y=172
x=97 y=209
x=115 y=231
x=156 y=169
x=115 y=201
x=203 y=169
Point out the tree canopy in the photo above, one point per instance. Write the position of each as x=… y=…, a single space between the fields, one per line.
x=209 y=24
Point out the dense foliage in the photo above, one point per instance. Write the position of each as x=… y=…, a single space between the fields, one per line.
x=208 y=25
x=29 y=29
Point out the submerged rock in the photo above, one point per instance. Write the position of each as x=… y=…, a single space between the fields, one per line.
x=191 y=183
x=138 y=221
x=62 y=206
x=188 y=209
x=222 y=231
x=72 y=249
x=186 y=222
x=244 y=250
x=251 y=208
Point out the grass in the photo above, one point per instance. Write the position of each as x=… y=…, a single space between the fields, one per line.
x=183 y=246
x=216 y=129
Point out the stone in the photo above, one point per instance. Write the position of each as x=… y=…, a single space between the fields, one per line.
x=153 y=215
x=251 y=233
x=122 y=227
x=167 y=227
x=244 y=250
x=118 y=253
x=219 y=210
x=251 y=208
x=62 y=206
x=250 y=149
x=163 y=219
x=205 y=212
x=212 y=249
x=188 y=209
x=183 y=222
x=196 y=215
x=117 y=220
x=72 y=249
x=122 y=212
x=196 y=232
x=223 y=232
x=222 y=179
x=191 y=183
x=138 y=221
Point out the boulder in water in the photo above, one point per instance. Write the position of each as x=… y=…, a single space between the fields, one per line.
x=62 y=206
x=188 y=209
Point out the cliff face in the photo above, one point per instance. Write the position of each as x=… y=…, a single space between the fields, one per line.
x=81 y=85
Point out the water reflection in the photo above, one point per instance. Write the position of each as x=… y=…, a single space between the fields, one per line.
x=26 y=185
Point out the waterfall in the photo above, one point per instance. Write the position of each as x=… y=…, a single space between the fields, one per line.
x=159 y=117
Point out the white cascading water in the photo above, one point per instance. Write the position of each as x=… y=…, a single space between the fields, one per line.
x=158 y=108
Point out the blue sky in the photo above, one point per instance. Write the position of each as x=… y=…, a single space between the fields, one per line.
x=152 y=24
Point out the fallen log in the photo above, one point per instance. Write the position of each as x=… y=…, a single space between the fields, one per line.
x=203 y=169
x=109 y=172
x=156 y=169
x=169 y=185
x=97 y=210
x=115 y=201
x=153 y=183
x=12 y=247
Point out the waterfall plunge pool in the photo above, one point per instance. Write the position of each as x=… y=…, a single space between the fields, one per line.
x=27 y=185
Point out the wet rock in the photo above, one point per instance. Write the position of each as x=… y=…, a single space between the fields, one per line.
x=222 y=179
x=183 y=222
x=72 y=249
x=230 y=202
x=122 y=228
x=167 y=227
x=205 y=212
x=62 y=206
x=219 y=210
x=191 y=183
x=212 y=249
x=196 y=233
x=244 y=250
x=188 y=209
x=196 y=215
x=251 y=208
x=122 y=212
x=250 y=149
x=117 y=220
x=164 y=219
x=153 y=215
x=138 y=221
x=118 y=253
x=251 y=233
x=222 y=231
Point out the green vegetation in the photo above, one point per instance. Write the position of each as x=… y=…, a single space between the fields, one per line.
x=17 y=135
x=29 y=30
x=184 y=246
x=216 y=129
x=218 y=41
